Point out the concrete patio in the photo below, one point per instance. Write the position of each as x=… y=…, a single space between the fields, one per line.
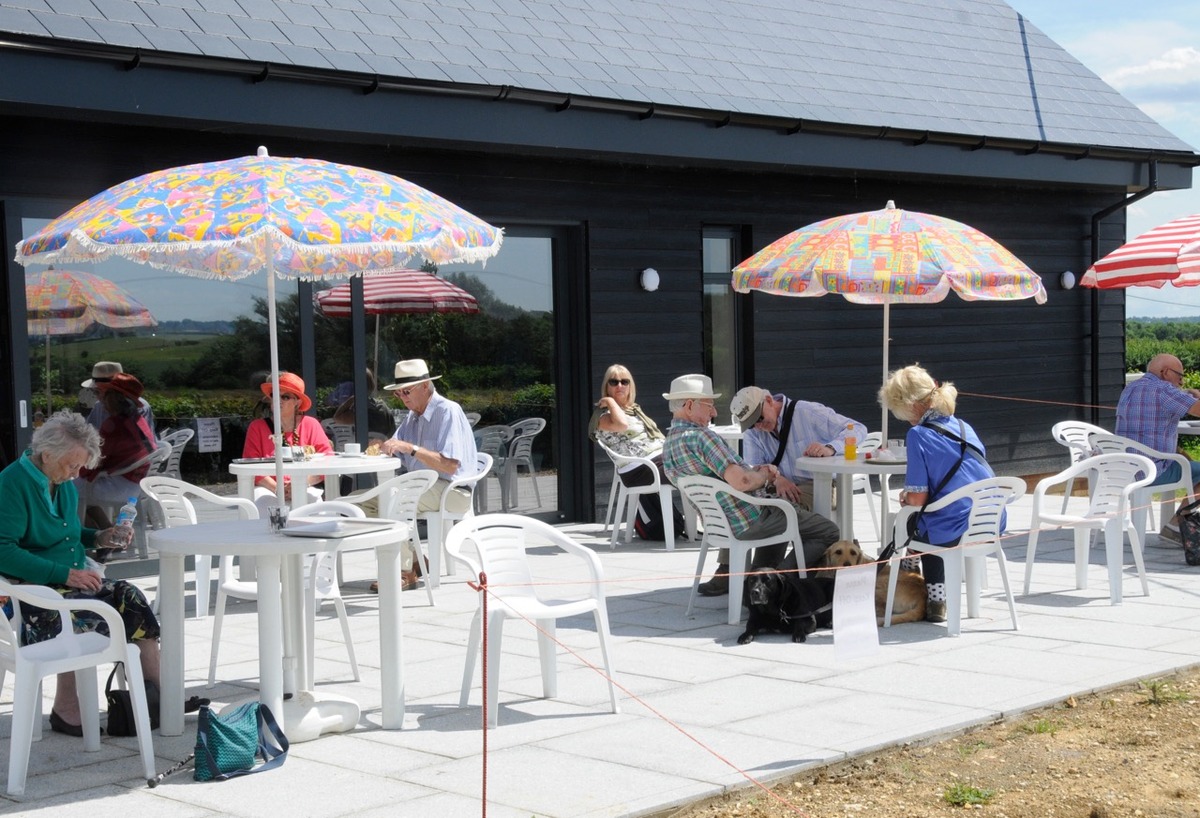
x=699 y=714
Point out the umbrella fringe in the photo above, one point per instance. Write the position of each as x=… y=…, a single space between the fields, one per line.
x=168 y=256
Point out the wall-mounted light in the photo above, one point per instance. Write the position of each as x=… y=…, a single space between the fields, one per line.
x=1067 y=280
x=649 y=279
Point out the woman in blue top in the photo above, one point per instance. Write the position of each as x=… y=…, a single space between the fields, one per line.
x=938 y=463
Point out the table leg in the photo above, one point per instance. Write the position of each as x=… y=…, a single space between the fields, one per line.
x=845 y=518
x=170 y=608
x=823 y=494
x=295 y=623
x=391 y=620
x=270 y=626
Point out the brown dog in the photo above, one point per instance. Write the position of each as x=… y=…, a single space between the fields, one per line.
x=909 y=604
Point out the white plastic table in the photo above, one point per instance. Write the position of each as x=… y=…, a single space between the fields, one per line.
x=278 y=625
x=330 y=465
x=1189 y=427
x=823 y=471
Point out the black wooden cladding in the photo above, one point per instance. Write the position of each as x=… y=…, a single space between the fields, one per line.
x=638 y=216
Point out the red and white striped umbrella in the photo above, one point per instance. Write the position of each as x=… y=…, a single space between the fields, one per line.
x=404 y=291
x=1168 y=253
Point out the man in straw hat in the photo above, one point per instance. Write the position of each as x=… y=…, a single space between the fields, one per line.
x=692 y=448
x=434 y=435
x=102 y=373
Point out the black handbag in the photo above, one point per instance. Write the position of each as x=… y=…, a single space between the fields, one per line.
x=120 y=707
x=1189 y=532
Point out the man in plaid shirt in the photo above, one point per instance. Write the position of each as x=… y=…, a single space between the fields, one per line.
x=1149 y=412
x=692 y=448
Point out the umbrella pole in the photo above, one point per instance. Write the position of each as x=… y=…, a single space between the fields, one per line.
x=887 y=342
x=49 y=400
x=276 y=414
x=375 y=367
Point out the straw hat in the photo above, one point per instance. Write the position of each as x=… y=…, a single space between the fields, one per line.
x=691 y=387
x=102 y=371
x=410 y=372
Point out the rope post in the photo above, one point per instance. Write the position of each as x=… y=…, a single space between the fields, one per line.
x=483 y=643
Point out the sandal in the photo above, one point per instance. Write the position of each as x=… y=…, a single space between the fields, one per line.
x=195 y=703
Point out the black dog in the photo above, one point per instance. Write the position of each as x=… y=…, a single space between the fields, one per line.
x=783 y=603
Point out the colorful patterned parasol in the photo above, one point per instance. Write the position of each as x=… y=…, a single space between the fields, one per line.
x=296 y=218
x=889 y=256
x=69 y=302
x=1167 y=253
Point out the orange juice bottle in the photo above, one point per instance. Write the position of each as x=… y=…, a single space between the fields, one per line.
x=851 y=444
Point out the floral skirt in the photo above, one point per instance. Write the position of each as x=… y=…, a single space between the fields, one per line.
x=130 y=602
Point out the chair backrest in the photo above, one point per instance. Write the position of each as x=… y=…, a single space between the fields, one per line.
x=172 y=498
x=1074 y=435
x=870 y=443
x=703 y=493
x=1116 y=475
x=339 y=434
x=327 y=508
x=988 y=500
x=524 y=431
x=473 y=418
x=496 y=545
x=622 y=462
x=398 y=496
x=178 y=441
x=493 y=440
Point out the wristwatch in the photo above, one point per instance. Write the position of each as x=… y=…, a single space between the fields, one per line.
x=415 y=449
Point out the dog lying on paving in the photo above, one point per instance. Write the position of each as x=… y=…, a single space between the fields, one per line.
x=909 y=604
x=784 y=603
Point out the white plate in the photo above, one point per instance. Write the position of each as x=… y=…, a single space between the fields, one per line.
x=349 y=454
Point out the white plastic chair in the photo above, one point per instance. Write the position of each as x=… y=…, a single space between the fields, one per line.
x=320 y=585
x=703 y=493
x=1142 y=499
x=627 y=498
x=67 y=652
x=520 y=454
x=473 y=418
x=173 y=500
x=862 y=482
x=397 y=499
x=964 y=562
x=496 y=544
x=339 y=434
x=438 y=523
x=493 y=441
x=177 y=440
x=1116 y=478
x=1074 y=435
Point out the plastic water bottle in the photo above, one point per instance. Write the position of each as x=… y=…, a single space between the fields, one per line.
x=851 y=444
x=123 y=535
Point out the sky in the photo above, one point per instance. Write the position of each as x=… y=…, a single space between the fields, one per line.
x=1149 y=51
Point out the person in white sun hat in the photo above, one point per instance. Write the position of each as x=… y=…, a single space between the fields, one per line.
x=692 y=448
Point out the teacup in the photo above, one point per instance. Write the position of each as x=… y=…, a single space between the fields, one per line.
x=352 y=448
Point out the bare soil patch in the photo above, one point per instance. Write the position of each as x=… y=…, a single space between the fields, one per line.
x=1130 y=752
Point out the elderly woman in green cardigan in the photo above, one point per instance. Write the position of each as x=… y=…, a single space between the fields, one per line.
x=42 y=542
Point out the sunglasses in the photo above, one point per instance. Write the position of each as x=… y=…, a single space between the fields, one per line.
x=404 y=393
x=619 y=381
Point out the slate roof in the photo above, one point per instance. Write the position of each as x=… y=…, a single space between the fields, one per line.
x=953 y=66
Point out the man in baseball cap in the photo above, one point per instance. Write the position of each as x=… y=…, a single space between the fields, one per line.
x=801 y=428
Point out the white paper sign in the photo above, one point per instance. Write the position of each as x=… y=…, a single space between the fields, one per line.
x=208 y=434
x=855 y=633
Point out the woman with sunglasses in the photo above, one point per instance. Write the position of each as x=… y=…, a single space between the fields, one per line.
x=299 y=429
x=621 y=425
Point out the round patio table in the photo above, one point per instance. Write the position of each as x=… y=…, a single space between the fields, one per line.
x=824 y=469
x=330 y=465
x=281 y=621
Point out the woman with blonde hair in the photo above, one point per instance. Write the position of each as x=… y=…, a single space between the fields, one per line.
x=944 y=454
x=622 y=426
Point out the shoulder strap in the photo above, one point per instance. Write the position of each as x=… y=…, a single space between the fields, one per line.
x=786 y=429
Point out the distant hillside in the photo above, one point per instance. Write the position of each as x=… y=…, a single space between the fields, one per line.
x=189 y=327
x=1187 y=319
